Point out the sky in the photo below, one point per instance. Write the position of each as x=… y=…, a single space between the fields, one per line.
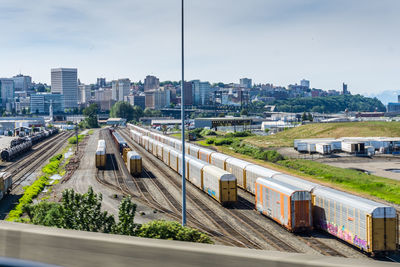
x=281 y=42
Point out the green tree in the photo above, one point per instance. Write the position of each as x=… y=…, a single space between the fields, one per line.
x=137 y=113
x=126 y=224
x=122 y=110
x=304 y=116
x=91 y=116
x=221 y=115
x=310 y=117
x=244 y=112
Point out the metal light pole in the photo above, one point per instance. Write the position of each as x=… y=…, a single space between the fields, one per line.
x=183 y=127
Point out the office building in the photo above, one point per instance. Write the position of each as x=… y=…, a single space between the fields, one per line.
x=7 y=93
x=64 y=81
x=305 y=83
x=101 y=82
x=246 y=83
x=398 y=98
x=151 y=83
x=103 y=94
x=188 y=94
x=22 y=103
x=120 y=89
x=201 y=92
x=84 y=93
x=139 y=100
x=40 y=103
x=22 y=82
x=157 y=99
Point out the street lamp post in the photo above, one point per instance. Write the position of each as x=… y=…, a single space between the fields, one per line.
x=183 y=125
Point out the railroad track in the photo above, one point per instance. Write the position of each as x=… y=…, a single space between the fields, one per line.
x=147 y=196
x=218 y=221
x=26 y=168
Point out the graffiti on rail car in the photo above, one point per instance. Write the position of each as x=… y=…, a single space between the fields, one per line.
x=344 y=234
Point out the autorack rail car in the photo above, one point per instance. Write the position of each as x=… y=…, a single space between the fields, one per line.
x=286 y=204
x=217 y=183
x=134 y=163
x=101 y=154
x=376 y=241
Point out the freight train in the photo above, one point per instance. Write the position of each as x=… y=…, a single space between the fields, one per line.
x=100 y=157
x=365 y=224
x=118 y=140
x=21 y=145
x=5 y=184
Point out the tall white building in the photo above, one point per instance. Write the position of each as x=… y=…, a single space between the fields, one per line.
x=120 y=89
x=65 y=81
x=305 y=83
x=201 y=92
x=246 y=83
x=84 y=93
x=7 y=93
x=22 y=82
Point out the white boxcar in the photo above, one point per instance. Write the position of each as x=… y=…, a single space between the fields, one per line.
x=178 y=145
x=166 y=153
x=219 y=160
x=237 y=168
x=195 y=171
x=219 y=184
x=302 y=147
x=145 y=142
x=180 y=164
x=155 y=147
x=323 y=148
x=366 y=224
x=173 y=159
x=151 y=145
x=255 y=171
x=193 y=151
x=160 y=147
x=204 y=154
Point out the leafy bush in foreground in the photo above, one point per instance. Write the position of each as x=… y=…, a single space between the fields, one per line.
x=172 y=231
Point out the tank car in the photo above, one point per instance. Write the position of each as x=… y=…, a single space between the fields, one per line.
x=286 y=204
x=10 y=153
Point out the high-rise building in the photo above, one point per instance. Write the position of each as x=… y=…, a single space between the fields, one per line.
x=188 y=94
x=305 y=83
x=345 y=91
x=201 y=92
x=22 y=82
x=65 y=81
x=151 y=83
x=246 y=83
x=101 y=82
x=139 y=100
x=398 y=98
x=7 y=93
x=40 y=103
x=157 y=99
x=120 y=89
x=84 y=93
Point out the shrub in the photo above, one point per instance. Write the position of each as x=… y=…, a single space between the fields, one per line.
x=56 y=157
x=239 y=134
x=72 y=140
x=210 y=141
x=172 y=231
x=223 y=141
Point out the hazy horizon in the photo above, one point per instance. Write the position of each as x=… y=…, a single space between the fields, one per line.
x=326 y=42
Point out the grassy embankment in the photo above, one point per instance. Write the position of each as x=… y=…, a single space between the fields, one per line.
x=251 y=148
x=56 y=165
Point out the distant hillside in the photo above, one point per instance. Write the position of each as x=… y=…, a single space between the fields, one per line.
x=326 y=130
x=330 y=104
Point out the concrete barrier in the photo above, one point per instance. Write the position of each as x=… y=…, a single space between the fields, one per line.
x=77 y=248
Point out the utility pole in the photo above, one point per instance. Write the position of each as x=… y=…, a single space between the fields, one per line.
x=76 y=135
x=183 y=125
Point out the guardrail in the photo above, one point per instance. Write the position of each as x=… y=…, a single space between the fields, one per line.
x=77 y=248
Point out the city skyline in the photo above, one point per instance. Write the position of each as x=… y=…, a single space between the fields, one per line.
x=325 y=42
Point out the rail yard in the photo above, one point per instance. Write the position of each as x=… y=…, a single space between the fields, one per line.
x=235 y=202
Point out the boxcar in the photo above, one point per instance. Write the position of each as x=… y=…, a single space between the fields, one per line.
x=219 y=160
x=195 y=171
x=145 y=142
x=286 y=204
x=237 y=167
x=255 y=171
x=204 y=154
x=219 y=184
x=366 y=224
x=166 y=150
x=173 y=159
x=160 y=147
x=5 y=183
x=134 y=163
x=193 y=150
